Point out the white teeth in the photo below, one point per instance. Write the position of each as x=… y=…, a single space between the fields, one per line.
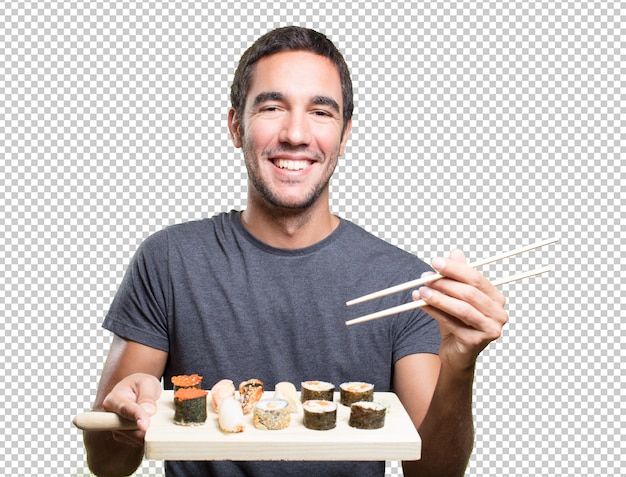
x=291 y=165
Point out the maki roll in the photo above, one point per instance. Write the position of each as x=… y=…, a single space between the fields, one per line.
x=271 y=414
x=190 y=406
x=316 y=390
x=319 y=414
x=186 y=381
x=355 y=392
x=367 y=415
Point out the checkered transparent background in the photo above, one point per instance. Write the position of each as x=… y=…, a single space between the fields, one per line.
x=485 y=125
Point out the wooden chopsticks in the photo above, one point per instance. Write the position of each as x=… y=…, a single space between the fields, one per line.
x=436 y=276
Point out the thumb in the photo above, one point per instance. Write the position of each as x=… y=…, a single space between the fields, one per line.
x=134 y=398
x=457 y=255
x=146 y=408
x=149 y=407
x=147 y=390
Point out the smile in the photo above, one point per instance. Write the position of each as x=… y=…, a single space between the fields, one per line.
x=291 y=165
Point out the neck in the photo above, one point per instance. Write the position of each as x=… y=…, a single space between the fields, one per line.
x=289 y=228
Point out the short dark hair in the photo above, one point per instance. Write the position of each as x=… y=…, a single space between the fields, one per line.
x=290 y=38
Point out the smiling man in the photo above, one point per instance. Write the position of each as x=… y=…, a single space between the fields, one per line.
x=261 y=292
x=292 y=132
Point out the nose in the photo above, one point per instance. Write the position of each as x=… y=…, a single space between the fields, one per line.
x=295 y=129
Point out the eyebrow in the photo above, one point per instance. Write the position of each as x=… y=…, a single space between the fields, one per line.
x=326 y=101
x=277 y=96
x=267 y=96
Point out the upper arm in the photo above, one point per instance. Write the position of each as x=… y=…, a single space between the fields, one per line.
x=127 y=357
x=415 y=378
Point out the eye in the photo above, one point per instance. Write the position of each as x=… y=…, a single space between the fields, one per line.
x=323 y=114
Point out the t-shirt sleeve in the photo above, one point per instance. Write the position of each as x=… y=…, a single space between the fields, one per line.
x=139 y=310
x=416 y=333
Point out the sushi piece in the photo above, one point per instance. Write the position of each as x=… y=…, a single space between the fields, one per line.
x=190 y=406
x=354 y=392
x=250 y=392
x=316 y=390
x=287 y=391
x=271 y=414
x=319 y=414
x=367 y=415
x=221 y=391
x=186 y=381
x=230 y=416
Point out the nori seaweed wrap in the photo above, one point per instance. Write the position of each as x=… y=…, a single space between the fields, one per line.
x=190 y=406
x=314 y=390
x=354 y=392
x=319 y=414
x=367 y=415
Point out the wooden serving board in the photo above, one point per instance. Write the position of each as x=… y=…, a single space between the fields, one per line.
x=397 y=440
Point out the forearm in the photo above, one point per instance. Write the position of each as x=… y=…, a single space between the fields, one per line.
x=447 y=431
x=107 y=457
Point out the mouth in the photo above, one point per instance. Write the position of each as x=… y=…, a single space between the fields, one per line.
x=291 y=164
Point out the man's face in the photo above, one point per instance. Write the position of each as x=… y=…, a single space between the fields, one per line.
x=291 y=130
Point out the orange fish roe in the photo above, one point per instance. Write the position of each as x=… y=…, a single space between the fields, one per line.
x=184 y=394
x=187 y=381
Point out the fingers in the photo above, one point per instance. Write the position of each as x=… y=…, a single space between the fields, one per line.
x=471 y=325
x=458 y=256
x=455 y=267
x=134 y=398
x=464 y=301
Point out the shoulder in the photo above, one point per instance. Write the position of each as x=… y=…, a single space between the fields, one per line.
x=374 y=260
x=366 y=243
x=192 y=231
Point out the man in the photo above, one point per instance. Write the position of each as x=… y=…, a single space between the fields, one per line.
x=261 y=293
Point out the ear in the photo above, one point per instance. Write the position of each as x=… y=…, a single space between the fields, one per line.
x=234 y=126
x=346 y=135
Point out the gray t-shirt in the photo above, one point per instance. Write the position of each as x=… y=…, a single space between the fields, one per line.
x=225 y=305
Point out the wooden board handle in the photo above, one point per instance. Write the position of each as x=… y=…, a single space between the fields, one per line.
x=102 y=421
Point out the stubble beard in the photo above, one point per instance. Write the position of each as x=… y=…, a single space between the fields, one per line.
x=264 y=190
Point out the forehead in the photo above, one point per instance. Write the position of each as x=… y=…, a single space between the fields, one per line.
x=296 y=74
